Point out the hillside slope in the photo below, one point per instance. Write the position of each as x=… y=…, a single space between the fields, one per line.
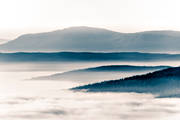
x=164 y=83
x=101 y=73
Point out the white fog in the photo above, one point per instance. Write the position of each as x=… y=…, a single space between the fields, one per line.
x=22 y=99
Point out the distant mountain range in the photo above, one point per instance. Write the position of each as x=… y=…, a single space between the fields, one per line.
x=94 y=39
x=3 y=41
x=87 y=56
x=163 y=83
x=101 y=73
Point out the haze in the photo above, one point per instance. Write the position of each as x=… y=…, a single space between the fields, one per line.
x=30 y=16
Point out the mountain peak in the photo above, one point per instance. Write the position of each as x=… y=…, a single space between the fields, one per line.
x=83 y=29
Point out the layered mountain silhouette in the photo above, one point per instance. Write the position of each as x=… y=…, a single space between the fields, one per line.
x=163 y=83
x=87 y=56
x=101 y=73
x=94 y=39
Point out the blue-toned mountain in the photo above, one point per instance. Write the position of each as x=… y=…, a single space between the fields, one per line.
x=163 y=83
x=89 y=39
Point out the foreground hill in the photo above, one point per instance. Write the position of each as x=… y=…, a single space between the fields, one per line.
x=101 y=73
x=164 y=83
x=94 y=39
x=87 y=56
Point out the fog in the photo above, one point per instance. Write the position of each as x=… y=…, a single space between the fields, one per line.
x=22 y=99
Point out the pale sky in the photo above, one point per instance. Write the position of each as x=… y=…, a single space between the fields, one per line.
x=30 y=16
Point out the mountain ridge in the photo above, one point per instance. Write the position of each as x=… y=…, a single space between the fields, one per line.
x=90 y=39
x=87 y=56
x=108 y=70
x=163 y=83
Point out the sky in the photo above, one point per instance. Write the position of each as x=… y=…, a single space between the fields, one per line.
x=18 y=17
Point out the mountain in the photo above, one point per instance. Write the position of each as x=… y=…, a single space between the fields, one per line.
x=101 y=73
x=2 y=41
x=69 y=39
x=122 y=68
x=163 y=83
x=95 y=40
x=86 y=56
